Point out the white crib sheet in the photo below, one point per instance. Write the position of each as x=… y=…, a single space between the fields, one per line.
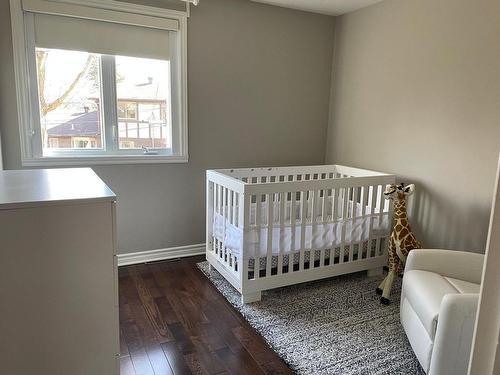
x=322 y=236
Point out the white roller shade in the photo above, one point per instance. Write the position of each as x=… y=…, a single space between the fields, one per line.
x=80 y=28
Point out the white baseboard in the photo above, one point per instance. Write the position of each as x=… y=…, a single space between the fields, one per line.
x=160 y=254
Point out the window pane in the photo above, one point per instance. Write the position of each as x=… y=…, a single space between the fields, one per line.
x=69 y=99
x=144 y=130
x=132 y=130
x=122 y=129
x=142 y=87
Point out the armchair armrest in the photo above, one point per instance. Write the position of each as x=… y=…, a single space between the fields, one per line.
x=450 y=263
x=455 y=329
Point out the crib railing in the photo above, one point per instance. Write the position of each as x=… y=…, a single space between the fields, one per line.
x=282 y=174
x=294 y=197
x=225 y=197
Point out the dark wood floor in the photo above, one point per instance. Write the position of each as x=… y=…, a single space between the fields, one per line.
x=174 y=321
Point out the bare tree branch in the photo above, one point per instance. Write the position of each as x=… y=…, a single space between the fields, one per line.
x=41 y=67
x=41 y=57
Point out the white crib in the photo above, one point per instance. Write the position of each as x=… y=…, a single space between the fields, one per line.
x=272 y=227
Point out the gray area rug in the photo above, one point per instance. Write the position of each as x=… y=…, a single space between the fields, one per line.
x=331 y=326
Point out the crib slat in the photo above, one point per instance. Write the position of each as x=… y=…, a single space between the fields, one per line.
x=386 y=212
x=372 y=221
x=303 y=222
x=354 y=214
x=345 y=197
x=385 y=209
x=270 y=221
x=242 y=213
x=331 y=250
x=334 y=204
x=376 y=216
x=214 y=209
x=219 y=199
x=293 y=224
x=324 y=218
x=372 y=199
x=224 y=221
x=217 y=210
x=235 y=208
x=244 y=223
x=314 y=214
x=227 y=254
x=380 y=199
x=324 y=215
x=282 y=213
x=233 y=218
x=230 y=205
x=258 y=225
x=335 y=199
x=362 y=201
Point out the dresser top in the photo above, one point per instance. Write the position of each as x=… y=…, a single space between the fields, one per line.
x=28 y=188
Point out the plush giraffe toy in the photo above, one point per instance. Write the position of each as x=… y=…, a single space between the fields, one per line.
x=402 y=238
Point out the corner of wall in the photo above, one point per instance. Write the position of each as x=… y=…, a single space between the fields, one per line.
x=328 y=145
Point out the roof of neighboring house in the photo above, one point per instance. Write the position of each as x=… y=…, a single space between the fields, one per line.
x=85 y=124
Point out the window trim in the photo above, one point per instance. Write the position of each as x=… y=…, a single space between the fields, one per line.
x=28 y=118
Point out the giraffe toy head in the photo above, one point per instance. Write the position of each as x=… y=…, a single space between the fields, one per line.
x=398 y=192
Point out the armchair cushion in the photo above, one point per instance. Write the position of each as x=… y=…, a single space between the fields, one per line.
x=464 y=286
x=425 y=291
x=450 y=263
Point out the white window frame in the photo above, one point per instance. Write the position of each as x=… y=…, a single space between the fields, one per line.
x=27 y=98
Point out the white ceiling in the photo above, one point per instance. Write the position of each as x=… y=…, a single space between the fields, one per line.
x=330 y=7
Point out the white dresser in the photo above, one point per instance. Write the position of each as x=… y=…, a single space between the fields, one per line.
x=58 y=274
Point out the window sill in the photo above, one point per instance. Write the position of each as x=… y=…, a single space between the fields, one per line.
x=102 y=160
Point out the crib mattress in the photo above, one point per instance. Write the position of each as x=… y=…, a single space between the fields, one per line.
x=317 y=235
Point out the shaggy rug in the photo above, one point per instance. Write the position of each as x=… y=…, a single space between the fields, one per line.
x=331 y=326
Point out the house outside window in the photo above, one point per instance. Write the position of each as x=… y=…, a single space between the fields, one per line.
x=93 y=99
x=127 y=110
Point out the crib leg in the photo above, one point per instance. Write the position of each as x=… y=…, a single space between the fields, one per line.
x=251 y=297
x=210 y=268
x=375 y=271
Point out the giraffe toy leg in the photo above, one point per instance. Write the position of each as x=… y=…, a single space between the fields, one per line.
x=380 y=288
x=385 y=283
x=387 y=288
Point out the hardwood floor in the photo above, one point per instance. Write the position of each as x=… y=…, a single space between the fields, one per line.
x=174 y=321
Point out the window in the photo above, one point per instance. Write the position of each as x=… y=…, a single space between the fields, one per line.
x=143 y=98
x=69 y=99
x=103 y=86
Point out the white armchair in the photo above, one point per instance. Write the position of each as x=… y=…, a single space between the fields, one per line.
x=438 y=307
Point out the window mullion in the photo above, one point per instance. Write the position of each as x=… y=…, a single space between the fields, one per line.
x=109 y=107
x=34 y=130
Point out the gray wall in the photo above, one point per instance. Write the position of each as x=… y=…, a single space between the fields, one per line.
x=416 y=92
x=259 y=84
